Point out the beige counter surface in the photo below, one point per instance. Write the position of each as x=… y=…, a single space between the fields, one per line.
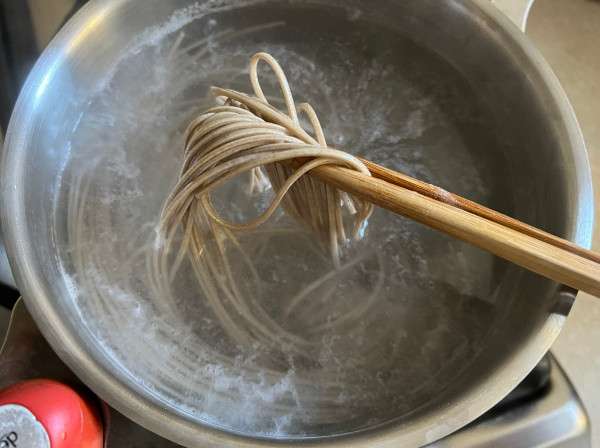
x=568 y=33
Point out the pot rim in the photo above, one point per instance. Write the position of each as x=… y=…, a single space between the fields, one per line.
x=122 y=394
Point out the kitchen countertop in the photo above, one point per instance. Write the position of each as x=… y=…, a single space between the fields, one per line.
x=567 y=33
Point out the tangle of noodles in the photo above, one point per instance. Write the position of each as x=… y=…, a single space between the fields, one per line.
x=247 y=134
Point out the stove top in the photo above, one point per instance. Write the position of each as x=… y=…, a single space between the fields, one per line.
x=543 y=411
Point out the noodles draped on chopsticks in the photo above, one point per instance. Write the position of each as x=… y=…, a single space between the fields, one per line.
x=246 y=134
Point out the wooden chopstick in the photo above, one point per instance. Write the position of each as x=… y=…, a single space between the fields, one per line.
x=506 y=237
x=439 y=194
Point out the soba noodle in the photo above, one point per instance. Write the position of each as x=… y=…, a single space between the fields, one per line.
x=247 y=134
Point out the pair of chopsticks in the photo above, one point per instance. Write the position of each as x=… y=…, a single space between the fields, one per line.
x=501 y=235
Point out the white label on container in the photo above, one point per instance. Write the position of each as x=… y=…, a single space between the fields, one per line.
x=20 y=429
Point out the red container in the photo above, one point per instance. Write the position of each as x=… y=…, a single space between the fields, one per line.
x=46 y=413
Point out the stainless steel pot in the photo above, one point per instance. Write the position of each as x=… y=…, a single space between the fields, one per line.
x=492 y=122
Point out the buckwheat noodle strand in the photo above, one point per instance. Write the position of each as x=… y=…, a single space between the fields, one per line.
x=247 y=134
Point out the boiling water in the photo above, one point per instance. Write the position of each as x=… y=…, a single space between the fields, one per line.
x=406 y=313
